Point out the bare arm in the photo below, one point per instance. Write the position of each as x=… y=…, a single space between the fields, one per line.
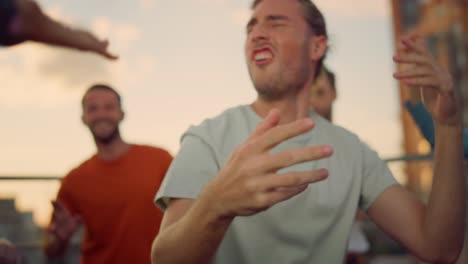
x=32 y=24
x=433 y=232
x=247 y=185
x=189 y=226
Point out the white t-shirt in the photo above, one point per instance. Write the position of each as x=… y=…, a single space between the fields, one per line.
x=312 y=227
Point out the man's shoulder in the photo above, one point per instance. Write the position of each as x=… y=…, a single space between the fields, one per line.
x=338 y=133
x=81 y=168
x=76 y=176
x=228 y=122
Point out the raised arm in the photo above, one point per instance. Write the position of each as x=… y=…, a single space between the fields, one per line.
x=246 y=185
x=423 y=119
x=434 y=232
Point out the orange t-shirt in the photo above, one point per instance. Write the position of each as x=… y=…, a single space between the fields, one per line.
x=115 y=200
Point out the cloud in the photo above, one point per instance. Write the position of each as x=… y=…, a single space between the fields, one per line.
x=147 y=4
x=121 y=35
x=240 y=17
x=73 y=69
x=35 y=75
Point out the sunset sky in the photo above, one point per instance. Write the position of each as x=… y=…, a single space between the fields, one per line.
x=181 y=62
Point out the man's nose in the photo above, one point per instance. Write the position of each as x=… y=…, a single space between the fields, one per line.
x=259 y=33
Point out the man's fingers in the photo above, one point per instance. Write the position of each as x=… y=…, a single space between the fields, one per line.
x=58 y=205
x=103 y=49
x=294 y=156
x=60 y=208
x=277 y=196
x=270 y=121
x=109 y=55
x=415 y=44
x=62 y=216
x=112 y=56
x=411 y=58
x=413 y=72
x=293 y=179
x=422 y=81
x=277 y=135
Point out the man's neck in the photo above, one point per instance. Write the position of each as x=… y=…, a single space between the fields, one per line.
x=112 y=150
x=292 y=107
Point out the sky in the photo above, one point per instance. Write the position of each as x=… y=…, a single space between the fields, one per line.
x=180 y=62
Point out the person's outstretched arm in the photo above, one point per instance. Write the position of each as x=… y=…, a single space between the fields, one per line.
x=434 y=232
x=245 y=186
x=30 y=23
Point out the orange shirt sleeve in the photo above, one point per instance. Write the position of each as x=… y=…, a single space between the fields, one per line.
x=65 y=193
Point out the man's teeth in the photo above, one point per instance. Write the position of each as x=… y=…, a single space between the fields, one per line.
x=263 y=56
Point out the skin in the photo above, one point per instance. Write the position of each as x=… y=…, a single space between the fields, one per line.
x=32 y=24
x=322 y=97
x=247 y=185
x=244 y=186
x=102 y=114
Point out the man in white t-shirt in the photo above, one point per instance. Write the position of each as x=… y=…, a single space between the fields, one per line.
x=273 y=182
x=322 y=97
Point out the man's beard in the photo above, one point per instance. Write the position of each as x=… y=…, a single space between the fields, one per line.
x=283 y=82
x=106 y=139
x=279 y=87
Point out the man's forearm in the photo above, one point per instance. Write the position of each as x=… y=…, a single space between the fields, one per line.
x=198 y=234
x=34 y=24
x=444 y=222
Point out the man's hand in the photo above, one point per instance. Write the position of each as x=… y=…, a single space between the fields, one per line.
x=64 y=224
x=250 y=183
x=86 y=41
x=433 y=81
x=31 y=23
x=8 y=253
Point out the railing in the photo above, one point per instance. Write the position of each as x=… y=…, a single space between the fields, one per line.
x=34 y=193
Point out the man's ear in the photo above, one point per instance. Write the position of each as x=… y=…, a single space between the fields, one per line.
x=122 y=117
x=83 y=119
x=317 y=47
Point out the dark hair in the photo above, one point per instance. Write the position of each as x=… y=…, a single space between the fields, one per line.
x=101 y=87
x=314 y=19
